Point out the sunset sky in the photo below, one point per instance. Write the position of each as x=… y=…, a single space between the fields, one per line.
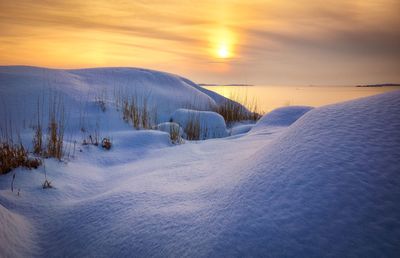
x=261 y=41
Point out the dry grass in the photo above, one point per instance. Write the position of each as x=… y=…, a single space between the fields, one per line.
x=100 y=100
x=106 y=143
x=193 y=128
x=38 y=134
x=232 y=111
x=15 y=155
x=174 y=135
x=136 y=110
x=38 y=140
x=55 y=131
x=91 y=140
x=53 y=146
x=47 y=184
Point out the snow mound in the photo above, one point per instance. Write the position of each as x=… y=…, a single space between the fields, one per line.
x=284 y=116
x=169 y=127
x=328 y=186
x=212 y=125
x=15 y=235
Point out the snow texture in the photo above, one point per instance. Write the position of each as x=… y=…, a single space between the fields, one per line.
x=16 y=235
x=326 y=185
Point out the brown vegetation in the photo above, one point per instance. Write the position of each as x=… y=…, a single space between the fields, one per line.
x=137 y=111
x=232 y=111
x=100 y=100
x=15 y=155
x=193 y=128
x=174 y=134
x=53 y=147
x=106 y=143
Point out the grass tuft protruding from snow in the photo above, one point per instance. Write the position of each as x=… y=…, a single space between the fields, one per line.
x=238 y=108
x=15 y=155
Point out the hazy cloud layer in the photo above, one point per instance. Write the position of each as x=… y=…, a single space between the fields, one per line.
x=276 y=42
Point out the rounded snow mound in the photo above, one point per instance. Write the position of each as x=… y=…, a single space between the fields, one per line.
x=328 y=186
x=169 y=127
x=209 y=124
x=284 y=116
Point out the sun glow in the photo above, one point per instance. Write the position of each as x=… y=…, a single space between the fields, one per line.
x=223 y=51
x=222 y=43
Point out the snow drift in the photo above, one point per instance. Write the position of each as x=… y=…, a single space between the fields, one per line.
x=327 y=186
x=21 y=88
x=284 y=116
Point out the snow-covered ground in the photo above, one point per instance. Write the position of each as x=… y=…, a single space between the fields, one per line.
x=22 y=87
x=301 y=182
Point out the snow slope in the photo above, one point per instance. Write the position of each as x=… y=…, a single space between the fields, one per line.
x=284 y=116
x=325 y=185
x=16 y=235
x=21 y=87
x=328 y=186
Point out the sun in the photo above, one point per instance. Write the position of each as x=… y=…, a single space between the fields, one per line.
x=223 y=51
x=222 y=42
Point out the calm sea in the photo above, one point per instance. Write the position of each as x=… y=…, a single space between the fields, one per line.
x=271 y=97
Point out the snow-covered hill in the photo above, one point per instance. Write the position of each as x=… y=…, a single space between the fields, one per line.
x=326 y=183
x=329 y=185
x=21 y=87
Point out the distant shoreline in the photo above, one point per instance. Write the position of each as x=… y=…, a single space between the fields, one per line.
x=250 y=85
x=233 y=84
x=380 y=85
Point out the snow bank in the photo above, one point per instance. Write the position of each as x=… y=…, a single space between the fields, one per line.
x=284 y=116
x=328 y=186
x=212 y=125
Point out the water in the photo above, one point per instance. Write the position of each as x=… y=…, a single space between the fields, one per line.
x=271 y=97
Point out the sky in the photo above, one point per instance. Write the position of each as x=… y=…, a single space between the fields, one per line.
x=285 y=42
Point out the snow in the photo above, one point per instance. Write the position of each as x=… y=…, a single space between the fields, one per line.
x=170 y=126
x=16 y=235
x=284 y=116
x=24 y=86
x=308 y=183
x=241 y=129
x=327 y=186
x=212 y=125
